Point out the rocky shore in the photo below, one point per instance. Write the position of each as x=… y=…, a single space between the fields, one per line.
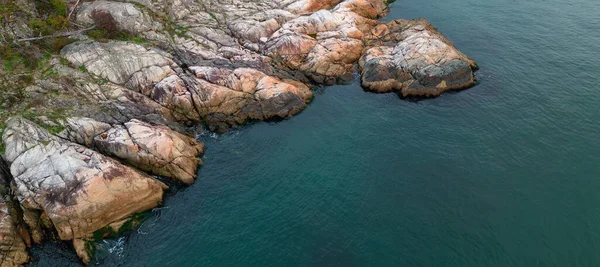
x=87 y=129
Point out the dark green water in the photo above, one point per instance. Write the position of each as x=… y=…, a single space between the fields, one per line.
x=504 y=174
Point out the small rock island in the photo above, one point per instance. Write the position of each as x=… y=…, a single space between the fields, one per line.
x=98 y=98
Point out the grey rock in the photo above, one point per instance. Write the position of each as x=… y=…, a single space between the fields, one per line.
x=419 y=62
x=128 y=17
x=155 y=149
x=78 y=189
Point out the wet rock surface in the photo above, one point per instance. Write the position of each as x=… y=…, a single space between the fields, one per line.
x=109 y=112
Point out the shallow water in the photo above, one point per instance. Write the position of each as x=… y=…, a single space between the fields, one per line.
x=502 y=174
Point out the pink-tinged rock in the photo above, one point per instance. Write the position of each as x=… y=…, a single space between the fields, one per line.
x=419 y=62
x=79 y=190
x=155 y=149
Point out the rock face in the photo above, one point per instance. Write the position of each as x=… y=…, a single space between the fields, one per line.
x=13 y=235
x=326 y=44
x=79 y=190
x=114 y=108
x=120 y=62
x=222 y=97
x=83 y=130
x=420 y=61
x=126 y=15
x=82 y=250
x=155 y=149
x=230 y=97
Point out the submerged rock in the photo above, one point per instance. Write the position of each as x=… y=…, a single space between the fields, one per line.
x=413 y=58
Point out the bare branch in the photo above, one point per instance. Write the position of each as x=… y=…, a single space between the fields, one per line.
x=77 y=24
x=65 y=34
x=73 y=10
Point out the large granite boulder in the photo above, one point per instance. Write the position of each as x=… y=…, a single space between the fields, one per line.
x=120 y=62
x=239 y=95
x=126 y=16
x=414 y=59
x=76 y=189
x=155 y=149
x=326 y=44
x=172 y=93
x=83 y=130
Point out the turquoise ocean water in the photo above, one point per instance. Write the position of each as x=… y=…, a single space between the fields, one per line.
x=503 y=174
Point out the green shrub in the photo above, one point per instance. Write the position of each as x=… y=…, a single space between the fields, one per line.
x=53 y=17
x=57 y=22
x=61 y=42
x=27 y=79
x=12 y=62
x=53 y=45
x=49 y=26
x=60 y=7
x=99 y=35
